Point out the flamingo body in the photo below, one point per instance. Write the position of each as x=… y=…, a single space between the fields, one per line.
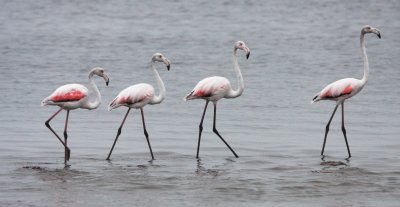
x=136 y=96
x=70 y=96
x=346 y=88
x=139 y=95
x=340 y=90
x=215 y=88
x=211 y=88
x=73 y=96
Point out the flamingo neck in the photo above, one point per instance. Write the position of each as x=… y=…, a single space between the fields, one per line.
x=157 y=99
x=239 y=91
x=96 y=103
x=366 y=65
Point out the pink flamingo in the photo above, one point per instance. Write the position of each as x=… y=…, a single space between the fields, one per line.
x=216 y=87
x=346 y=88
x=138 y=96
x=73 y=96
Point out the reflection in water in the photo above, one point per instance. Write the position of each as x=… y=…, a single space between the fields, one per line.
x=201 y=170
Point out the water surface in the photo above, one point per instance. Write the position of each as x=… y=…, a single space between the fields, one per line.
x=297 y=48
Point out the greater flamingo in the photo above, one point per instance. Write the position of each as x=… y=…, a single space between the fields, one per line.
x=138 y=96
x=216 y=87
x=343 y=89
x=73 y=96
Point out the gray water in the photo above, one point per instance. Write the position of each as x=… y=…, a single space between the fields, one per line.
x=297 y=48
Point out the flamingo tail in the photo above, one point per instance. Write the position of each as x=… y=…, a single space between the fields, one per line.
x=47 y=101
x=113 y=104
x=189 y=96
x=315 y=99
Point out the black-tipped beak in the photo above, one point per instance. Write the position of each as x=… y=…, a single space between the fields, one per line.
x=106 y=78
x=247 y=50
x=167 y=63
x=377 y=32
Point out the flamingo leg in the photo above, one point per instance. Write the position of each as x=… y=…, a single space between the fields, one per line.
x=58 y=137
x=146 y=134
x=201 y=128
x=216 y=132
x=66 y=156
x=344 y=131
x=118 y=133
x=327 y=128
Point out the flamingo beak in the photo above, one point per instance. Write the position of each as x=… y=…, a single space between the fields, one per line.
x=167 y=63
x=105 y=76
x=377 y=32
x=247 y=50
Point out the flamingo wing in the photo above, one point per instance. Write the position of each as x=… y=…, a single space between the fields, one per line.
x=68 y=93
x=139 y=93
x=337 y=89
x=209 y=87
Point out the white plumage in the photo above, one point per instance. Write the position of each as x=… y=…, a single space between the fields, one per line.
x=211 y=88
x=73 y=96
x=70 y=96
x=214 y=88
x=346 y=88
x=138 y=96
x=340 y=90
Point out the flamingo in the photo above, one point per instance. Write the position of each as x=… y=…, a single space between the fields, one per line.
x=139 y=95
x=346 y=88
x=215 y=88
x=73 y=96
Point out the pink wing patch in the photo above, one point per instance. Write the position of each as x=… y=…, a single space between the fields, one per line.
x=129 y=100
x=70 y=96
x=123 y=100
x=203 y=93
x=208 y=92
x=200 y=93
x=329 y=94
x=347 y=90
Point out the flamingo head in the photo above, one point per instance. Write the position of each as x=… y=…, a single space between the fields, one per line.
x=158 y=57
x=368 y=29
x=99 y=72
x=242 y=46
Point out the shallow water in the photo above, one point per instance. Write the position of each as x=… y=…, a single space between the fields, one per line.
x=297 y=48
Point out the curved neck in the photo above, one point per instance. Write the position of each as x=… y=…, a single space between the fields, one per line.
x=239 y=91
x=96 y=103
x=366 y=65
x=157 y=99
